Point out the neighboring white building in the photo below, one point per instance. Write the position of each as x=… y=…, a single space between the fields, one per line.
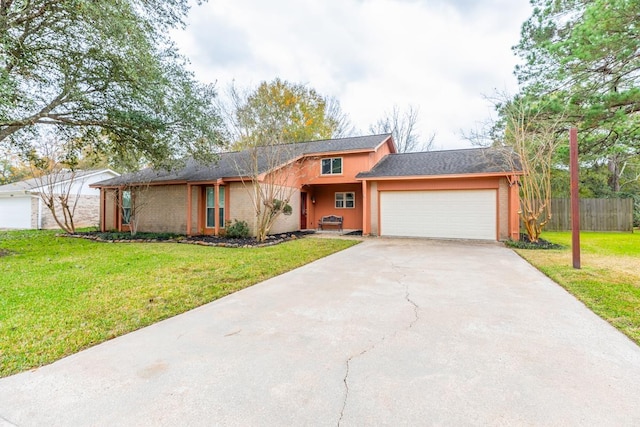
x=21 y=206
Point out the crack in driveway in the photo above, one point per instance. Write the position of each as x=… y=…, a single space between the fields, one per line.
x=345 y=380
x=407 y=297
x=415 y=307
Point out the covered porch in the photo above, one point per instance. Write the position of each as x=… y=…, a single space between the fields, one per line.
x=344 y=200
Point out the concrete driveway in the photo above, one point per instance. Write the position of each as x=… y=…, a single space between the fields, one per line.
x=390 y=332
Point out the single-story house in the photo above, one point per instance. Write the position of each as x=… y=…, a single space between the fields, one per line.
x=466 y=193
x=21 y=206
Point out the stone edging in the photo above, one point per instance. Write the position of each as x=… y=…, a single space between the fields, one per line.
x=180 y=240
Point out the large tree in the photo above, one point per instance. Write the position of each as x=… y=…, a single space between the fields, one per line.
x=12 y=167
x=280 y=112
x=103 y=73
x=585 y=54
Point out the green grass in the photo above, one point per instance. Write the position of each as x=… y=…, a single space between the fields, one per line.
x=609 y=279
x=60 y=295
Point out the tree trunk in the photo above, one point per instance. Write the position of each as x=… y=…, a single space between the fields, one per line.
x=614 y=174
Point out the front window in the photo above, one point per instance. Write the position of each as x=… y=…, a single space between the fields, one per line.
x=221 y=207
x=345 y=200
x=211 y=207
x=126 y=207
x=332 y=166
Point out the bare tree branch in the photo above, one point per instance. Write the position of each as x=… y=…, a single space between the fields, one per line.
x=57 y=183
x=402 y=124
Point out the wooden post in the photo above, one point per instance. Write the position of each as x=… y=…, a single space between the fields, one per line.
x=366 y=209
x=575 y=201
x=189 y=209
x=216 y=210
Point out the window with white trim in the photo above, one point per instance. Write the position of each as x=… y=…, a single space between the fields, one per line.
x=345 y=200
x=332 y=166
x=221 y=204
x=126 y=207
x=211 y=207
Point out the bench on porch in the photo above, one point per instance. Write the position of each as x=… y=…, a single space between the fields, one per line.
x=330 y=220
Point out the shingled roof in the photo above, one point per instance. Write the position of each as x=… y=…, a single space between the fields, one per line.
x=447 y=162
x=34 y=184
x=231 y=165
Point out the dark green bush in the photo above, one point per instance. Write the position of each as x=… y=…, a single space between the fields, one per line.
x=237 y=230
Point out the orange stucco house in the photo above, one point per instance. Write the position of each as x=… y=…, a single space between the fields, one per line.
x=466 y=194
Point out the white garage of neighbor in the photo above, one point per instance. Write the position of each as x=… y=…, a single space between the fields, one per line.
x=21 y=206
x=448 y=214
x=15 y=211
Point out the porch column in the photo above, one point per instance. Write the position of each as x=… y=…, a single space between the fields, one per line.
x=103 y=209
x=514 y=207
x=189 y=209
x=307 y=205
x=118 y=208
x=366 y=209
x=216 y=210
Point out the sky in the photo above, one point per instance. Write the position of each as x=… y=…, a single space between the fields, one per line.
x=442 y=56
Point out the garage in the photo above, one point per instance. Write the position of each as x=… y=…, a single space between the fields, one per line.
x=448 y=214
x=15 y=212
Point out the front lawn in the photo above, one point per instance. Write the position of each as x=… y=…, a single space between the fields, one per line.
x=60 y=295
x=609 y=280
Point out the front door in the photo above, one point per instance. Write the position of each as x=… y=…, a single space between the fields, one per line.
x=303 y=211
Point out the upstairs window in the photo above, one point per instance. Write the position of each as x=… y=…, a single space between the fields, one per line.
x=332 y=166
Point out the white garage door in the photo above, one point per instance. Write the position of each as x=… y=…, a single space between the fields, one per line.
x=15 y=212
x=458 y=214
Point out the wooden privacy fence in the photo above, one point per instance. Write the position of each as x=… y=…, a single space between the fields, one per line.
x=595 y=215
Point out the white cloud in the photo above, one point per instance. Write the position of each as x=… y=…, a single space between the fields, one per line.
x=438 y=55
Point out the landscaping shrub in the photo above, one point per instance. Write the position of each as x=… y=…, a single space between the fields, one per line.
x=237 y=230
x=525 y=243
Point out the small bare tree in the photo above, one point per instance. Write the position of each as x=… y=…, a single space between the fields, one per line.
x=133 y=202
x=270 y=173
x=402 y=125
x=534 y=137
x=57 y=181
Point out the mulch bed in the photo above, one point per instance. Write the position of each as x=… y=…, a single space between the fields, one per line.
x=526 y=243
x=219 y=241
